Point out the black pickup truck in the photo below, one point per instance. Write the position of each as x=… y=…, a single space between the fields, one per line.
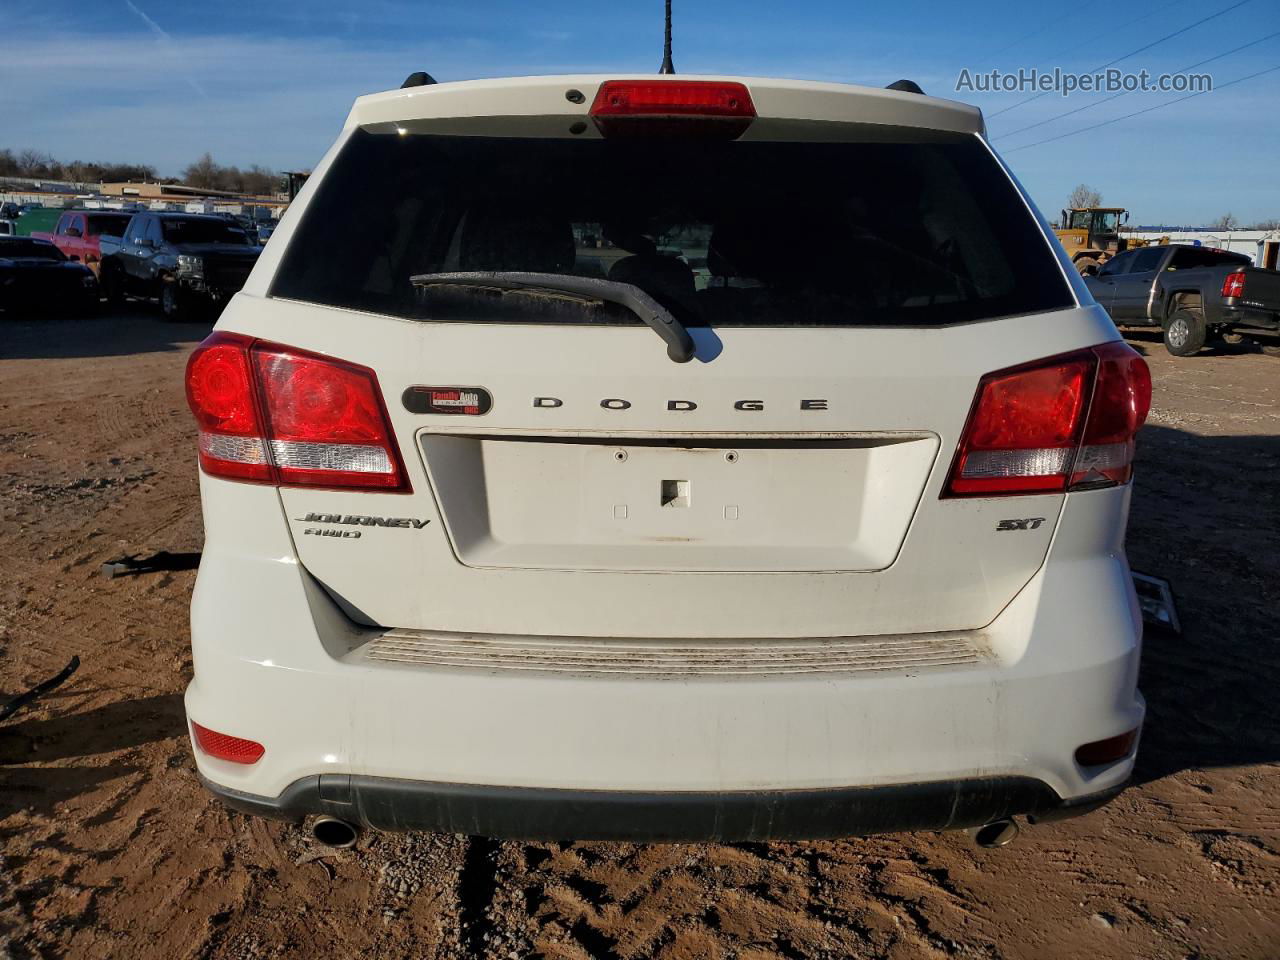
x=1191 y=293
x=184 y=260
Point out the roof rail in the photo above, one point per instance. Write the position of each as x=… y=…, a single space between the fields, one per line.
x=905 y=86
x=418 y=79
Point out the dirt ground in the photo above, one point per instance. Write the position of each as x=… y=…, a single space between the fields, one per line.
x=112 y=849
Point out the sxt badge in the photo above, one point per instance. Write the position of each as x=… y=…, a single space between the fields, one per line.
x=1030 y=523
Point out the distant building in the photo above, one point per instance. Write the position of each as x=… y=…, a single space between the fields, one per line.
x=180 y=193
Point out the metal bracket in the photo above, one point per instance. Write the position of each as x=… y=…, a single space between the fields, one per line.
x=1156 y=600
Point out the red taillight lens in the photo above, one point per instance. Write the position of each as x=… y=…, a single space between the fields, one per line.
x=1063 y=422
x=273 y=414
x=221 y=395
x=226 y=747
x=1233 y=285
x=1106 y=751
x=1121 y=401
x=672 y=108
x=325 y=421
x=1024 y=429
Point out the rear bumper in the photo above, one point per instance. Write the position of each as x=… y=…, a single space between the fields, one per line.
x=650 y=817
x=484 y=746
x=1242 y=316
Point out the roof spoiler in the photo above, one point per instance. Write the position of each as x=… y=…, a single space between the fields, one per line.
x=905 y=86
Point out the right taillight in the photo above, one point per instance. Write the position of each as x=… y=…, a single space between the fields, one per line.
x=1233 y=285
x=272 y=414
x=1067 y=422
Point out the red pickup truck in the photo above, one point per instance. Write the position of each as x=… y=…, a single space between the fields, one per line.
x=77 y=232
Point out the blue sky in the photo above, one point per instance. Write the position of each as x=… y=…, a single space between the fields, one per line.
x=270 y=82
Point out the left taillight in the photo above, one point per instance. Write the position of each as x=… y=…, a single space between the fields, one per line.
x=268 y=413
x=1233 y=284
x=1064 y=423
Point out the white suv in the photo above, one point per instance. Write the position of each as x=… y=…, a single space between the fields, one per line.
x=657 y=458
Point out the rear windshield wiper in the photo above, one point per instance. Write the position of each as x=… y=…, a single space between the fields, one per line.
x=680 y=346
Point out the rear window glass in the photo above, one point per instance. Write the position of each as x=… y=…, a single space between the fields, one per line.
x=1144 y=261
x=112 y=224
x=727 y=234
x=1187 y=258
x=202 y=231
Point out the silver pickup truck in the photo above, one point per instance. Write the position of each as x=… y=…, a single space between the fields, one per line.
x=1192 y=293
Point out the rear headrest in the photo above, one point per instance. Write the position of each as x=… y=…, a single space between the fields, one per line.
x=502 y=240
x=734 y=248
x=666 y=279
x=781 y=248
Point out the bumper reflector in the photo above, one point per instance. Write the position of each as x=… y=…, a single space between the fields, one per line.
x=1106 y=751
x=226 y=747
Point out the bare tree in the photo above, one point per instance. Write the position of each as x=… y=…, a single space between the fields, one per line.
x=204 y=173
x=1272 y=224
x=116 y=172
x=30 y=163
x=1227 y=221
x=1084 y=196
x=260 y=180
x=208 y=174
x=81 y=172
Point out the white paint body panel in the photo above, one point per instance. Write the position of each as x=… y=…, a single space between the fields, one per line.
x=1045 y=620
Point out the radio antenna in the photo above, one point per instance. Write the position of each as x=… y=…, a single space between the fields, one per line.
x=667 y=66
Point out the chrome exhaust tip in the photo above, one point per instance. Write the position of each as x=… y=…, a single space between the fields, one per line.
x=335 y=833
x=997 y=833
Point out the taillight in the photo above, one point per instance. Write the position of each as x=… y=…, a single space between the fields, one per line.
x=272 y=414
x=226 y=747
x=1233 y=285
x=707 y=108
x=221 y=395
x=1121 y=400
x=1067 y=422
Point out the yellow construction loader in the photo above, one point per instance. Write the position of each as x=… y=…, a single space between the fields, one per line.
x=1091 y=236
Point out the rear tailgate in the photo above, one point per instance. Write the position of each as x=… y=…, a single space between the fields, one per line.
x=1261 y=290
x=523 y=531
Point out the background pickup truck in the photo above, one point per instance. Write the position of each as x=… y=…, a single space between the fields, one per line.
x=77 y=232
x=186 y=261
x=1191 y=293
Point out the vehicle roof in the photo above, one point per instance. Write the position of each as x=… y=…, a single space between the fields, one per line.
x=178 y=214
x=773 y=98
